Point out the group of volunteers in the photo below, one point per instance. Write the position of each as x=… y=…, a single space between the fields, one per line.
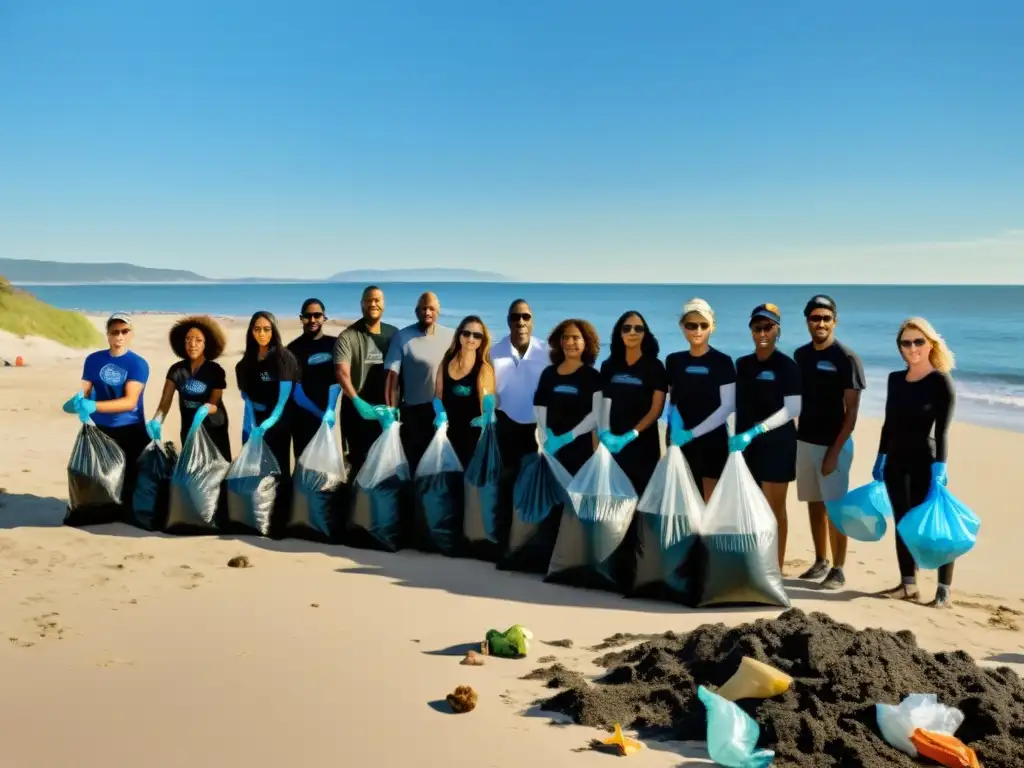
x=794 y=416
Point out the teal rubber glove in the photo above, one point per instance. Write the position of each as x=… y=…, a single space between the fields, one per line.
x=155 y=430
x=85 y=408
x=487 y=417
x=554 y=443
x=677 y=435
x=440 y=416
x=878 y=471
x=939 y=472
x=364 y=409
x=330 y=418
x=743 y=439
x=197 y=421
x=615 y=443
x=256 y=433
x=71 y=406
x=385 y=416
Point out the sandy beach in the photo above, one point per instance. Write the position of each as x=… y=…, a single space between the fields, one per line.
x=123 y=648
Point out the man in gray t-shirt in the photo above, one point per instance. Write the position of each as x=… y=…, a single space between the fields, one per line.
x=413 y=357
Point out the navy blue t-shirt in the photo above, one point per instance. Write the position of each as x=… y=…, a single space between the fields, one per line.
x=108 y=375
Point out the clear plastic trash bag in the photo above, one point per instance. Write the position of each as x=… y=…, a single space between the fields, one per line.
x=732 y=734
x=741 y=541
x=919 y=710
x=939 y=530
x=862 y=514
x=539 y=496
x=152 y=495
x=667 y=552
x=380 y=493
x=319 y=488
x=593 y=528
x=439 y=492
x=96 y=470
x=196 y=486
x=251 y=486
x=486 y=516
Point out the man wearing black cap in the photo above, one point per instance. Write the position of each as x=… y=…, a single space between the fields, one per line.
x=833 y=378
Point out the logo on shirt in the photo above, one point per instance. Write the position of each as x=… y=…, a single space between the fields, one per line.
x=766 y=376
x=191 y=405
x=699 y=369
x=319 y=358
x=373 y=357
x=462 y=390
x=195 y=387
x=266 y=376
x=826 y=365
x=565 y=389
x=625 y=378
x=113 y=375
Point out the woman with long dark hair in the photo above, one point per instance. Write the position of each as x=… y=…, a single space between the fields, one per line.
x=464 y=392
x=919 y=407
x=199 y=381
x=568 y=397
x=266 y=375
x=634 y=386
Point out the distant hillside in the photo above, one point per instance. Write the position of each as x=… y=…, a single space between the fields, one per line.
x=32 y=271
x=23 y=314
x=416 y=276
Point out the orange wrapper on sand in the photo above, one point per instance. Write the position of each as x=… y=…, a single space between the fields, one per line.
x=944 y=750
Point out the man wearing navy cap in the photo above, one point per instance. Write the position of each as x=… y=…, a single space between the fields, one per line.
x=833 y=379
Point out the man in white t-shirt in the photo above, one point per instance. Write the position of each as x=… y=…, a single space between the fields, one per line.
x=519 y=359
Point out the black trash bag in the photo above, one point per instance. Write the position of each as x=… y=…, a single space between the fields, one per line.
x=439 y=498
x=196 y=486
x=152 y=495
x=319 y=489
x=379 y=496
x=96 y=472
x=251 y=488
x=487 y=514
x=741 y=538
x=667 y=553
x=594 y=528
x=539 y=497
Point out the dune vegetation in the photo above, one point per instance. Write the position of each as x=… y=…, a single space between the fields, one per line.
x=23 y=314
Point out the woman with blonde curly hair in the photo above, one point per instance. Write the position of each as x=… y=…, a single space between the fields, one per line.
x=912 y=450
x=199 y=381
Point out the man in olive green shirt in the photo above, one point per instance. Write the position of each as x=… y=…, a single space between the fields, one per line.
x=359 y=366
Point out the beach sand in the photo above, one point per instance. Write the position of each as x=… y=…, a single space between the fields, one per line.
x=122 y=648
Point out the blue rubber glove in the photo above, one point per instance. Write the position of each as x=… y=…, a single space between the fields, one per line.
x=85 y=408
x=330 y=418
x=364 y=409
x=615 y=443
x=554 y=443
x=197 y=421
x=440 y=416
x=487 y=417
x=256 y=433
x=302 y=400
x=284 y=392
x=248 y=418
x=678 y=435
x=155 y=430
x=878 y=471
x=71 y=406
x=743 y=439
x=939 y=472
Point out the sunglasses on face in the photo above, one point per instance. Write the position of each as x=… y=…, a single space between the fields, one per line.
x=473 y=335
x=627 y=328
x=312 y=315
x=119 y=331
x=261 y=330
x=908 y=343
x=515 y=317
x=817 y=319
x=762 y=328
x=696 y=326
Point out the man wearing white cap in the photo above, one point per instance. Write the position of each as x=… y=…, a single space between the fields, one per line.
x=111 y=395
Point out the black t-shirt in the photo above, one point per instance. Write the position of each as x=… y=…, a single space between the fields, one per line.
x=826 y=374
x=259 y=380
x=631 y=389
x=913 y=411
x=315 y=357
x=696 y=383
x=762 y=386
x=194 y=390
x=461 y=397
x=569 y=398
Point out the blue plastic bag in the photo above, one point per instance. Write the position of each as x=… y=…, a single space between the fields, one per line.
x=939 y=530
x=863 y=513
x=732 y=734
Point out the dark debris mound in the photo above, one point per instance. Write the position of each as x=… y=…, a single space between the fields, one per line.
x=827 y=718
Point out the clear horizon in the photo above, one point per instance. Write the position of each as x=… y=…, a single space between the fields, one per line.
x=858 y=143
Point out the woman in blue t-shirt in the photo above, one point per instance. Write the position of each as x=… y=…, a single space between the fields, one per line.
x=198 y=380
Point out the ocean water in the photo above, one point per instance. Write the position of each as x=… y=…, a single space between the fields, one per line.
x=984 y=325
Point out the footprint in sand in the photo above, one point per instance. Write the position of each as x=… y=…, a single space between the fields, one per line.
x=999 y=616
x=138 y=556
x=20 y=643
x=48 y=625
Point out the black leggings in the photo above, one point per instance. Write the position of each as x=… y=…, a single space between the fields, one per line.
x=908 y=486
x=131 y=439
x=279 y=440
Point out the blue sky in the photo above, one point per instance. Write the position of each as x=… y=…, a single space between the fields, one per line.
x=666 y=140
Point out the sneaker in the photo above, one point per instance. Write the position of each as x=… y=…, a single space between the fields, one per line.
x=834 y=580
x=816 y=571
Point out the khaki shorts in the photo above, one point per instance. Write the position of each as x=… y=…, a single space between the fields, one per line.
x=811 y=485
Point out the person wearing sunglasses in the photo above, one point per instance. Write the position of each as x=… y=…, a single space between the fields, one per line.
x=464 y=389
x=919 y=403
x=568 y=398
x=702 y=390
x=111 y=395
x=519 y=360
x=634 y=385
x=359 y=369
x=832 y=379
x=316 y=393
x=768 y=401
x=413 y=357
